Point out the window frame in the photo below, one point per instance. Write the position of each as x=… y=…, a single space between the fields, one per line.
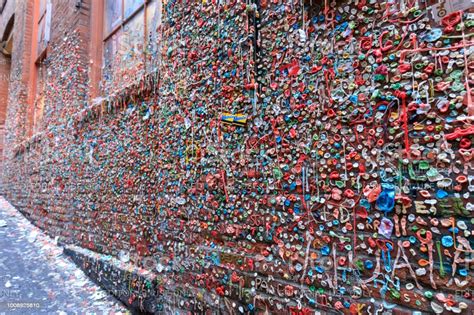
x=41 y=55
x=123 y=21
x=39 y=51
x=39 y=96
x=3 y=5
x=101 y=37
x=42 y=14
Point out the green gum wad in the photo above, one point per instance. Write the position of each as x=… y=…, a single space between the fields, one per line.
x=277 y=173
x=424 y=165
x=395 y=294
x=456 y=74
x=432 y=172
x=340 y=184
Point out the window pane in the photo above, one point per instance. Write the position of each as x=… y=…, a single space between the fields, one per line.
x=41 y=35
x=123 y=54
x=131 y=6
x=2 y=7
x=111 y=57
x=153 y=18
x=40 y=95
x=113 y=15
x=153 y=14
x=42 y=7
x=44 y=25
x=132 y=47
x=38 y=116
x=134 y=32
x=132 y=51
x=41 y=79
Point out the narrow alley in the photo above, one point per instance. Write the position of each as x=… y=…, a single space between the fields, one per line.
x=37 y=278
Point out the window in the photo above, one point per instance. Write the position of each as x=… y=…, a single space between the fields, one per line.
x=113 y=15
x=127 y=28
x=40 y=96
x=7 y=40
x=2 y=5
x=41 y=23
x=44 y=25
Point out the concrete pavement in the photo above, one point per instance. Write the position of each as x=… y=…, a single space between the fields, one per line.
x=36 y=278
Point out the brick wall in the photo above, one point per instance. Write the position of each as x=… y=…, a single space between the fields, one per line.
x=16 y=123
x=4 y=82
x=249 y=218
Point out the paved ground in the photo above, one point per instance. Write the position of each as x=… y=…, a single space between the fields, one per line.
x=36 y=278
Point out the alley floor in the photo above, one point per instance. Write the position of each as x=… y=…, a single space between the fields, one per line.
x=36 y=278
